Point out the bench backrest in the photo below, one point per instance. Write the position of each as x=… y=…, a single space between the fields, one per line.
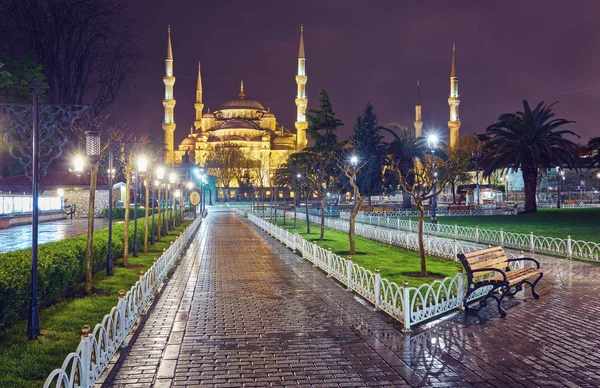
x=486 y=258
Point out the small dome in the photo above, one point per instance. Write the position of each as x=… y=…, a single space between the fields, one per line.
x=242 y=102
x=282 y=140
x=208 y=115
x=188 y=141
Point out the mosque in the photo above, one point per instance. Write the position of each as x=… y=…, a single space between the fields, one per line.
x=245 y=122
x=242 y=121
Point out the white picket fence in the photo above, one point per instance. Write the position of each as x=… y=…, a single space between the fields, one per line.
x=442 y=212
x=409 y=305
x=530 y=242
x=83 y=367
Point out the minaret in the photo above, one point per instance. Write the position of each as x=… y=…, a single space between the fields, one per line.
x=453 y=101
x=198 y=106
x=301 y=100
x=169 y=104
x=418 y=120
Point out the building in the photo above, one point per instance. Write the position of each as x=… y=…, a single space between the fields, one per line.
x=242 y=121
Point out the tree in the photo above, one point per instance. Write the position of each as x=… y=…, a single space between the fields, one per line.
x=421 y=185
x=403 y=150
x=322 y=125
x=529 y=140
x=16 y=79
x=320 y=160
x=593 y=147
x=462 y=160
x=127 y=151
x=367 y=143
x=86 y=48
x=351 y=169
x=225 y=163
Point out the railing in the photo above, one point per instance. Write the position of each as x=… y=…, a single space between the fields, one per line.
x=568 y=205
x=529 y=242
x=83 y=367
x=409 y=305
x=442 y=212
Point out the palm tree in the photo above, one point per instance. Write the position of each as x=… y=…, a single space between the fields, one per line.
x=528 y=140
x=404 y=149
x=593 y=147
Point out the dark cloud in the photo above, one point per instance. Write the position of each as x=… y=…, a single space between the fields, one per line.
x=372 y=51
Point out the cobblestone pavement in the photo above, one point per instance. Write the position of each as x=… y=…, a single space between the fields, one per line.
x=242 y=310
x=19 y=237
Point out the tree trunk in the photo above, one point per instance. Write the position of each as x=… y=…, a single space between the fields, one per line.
x=159 y=213
x=352 y=223
x=306 y=209
x=284 y=206
x=530 y=186
x=295 y=206
x=420 y=234
x=89 y=256
x=146 y=220
x=453 y=192
x=127 y=207
x=323 y=204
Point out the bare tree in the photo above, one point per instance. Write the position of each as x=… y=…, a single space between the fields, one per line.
x=350 y=170
x=86 y=48
x=225 y=163
x=421 y=184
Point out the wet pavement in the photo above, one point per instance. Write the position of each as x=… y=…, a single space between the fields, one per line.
x=19 y=237
x=242 y=310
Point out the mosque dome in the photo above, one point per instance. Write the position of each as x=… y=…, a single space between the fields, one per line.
x=242 y=102
x=188 y=141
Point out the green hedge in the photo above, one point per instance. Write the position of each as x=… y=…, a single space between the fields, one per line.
x=61 y=265
x=119 y=213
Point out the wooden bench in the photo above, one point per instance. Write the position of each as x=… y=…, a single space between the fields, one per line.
x=458 y=207
x=490 y=267
x=570 y=202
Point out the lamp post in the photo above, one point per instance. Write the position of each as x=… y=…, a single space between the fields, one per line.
x=92 y=150
x=354 y=163
x=432 y=142
x=28 y=137
x=160 y=175
x=172 y=181
x=140 y=170
x=111 y=176
x=166 y=220
x=477 y=191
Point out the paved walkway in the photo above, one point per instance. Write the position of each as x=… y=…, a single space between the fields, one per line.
x=241 y=310
x=19 y=237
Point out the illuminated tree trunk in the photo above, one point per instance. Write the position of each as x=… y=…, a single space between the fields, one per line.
x=420 y=234
x=159 y=214
x=146 y=220
x=128 y=169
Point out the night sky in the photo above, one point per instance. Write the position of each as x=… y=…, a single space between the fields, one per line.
x=375 y=51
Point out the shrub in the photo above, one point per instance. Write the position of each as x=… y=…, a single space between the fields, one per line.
x=61 y=265
x=119 y=213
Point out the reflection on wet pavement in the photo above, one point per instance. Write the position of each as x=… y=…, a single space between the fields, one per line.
x=19 y=237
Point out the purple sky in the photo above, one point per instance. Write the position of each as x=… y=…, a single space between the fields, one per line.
x=374 y=51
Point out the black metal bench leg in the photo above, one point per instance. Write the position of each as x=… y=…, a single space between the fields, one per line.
x=505 y=291
x=535 y=294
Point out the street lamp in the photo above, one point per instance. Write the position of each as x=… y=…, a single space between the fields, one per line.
x=92 y=150
x=142 y=163
x=476 y=156
x=354 y=163
x=598 y=176
x=432 y=142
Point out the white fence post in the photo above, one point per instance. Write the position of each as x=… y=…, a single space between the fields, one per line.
x=121 y=306
x=349 y=273
x=406 y=306
x=455 y=253
x=409 y=226
x=329 y=262
x=569 y=247
x=455 y=230
x=501 y=237
x=531 y=244
x=377 y=288
x=86 y=357
x=476 y=233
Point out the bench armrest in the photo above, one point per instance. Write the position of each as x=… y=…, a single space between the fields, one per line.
x=490 y=269
x=537 y=263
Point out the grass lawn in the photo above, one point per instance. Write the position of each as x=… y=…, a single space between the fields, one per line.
x=580 y=224
x=25 y=363
x=393 y=262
